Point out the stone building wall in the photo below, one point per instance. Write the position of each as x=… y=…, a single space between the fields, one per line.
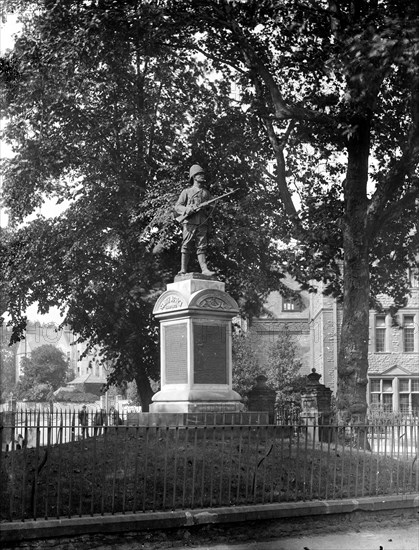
x=394 y=355
x=319 y=347
x=296 y=322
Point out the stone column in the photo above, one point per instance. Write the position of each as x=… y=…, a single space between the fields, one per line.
x=195 y=316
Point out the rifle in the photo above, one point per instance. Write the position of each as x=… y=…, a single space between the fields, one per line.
x=203 y=205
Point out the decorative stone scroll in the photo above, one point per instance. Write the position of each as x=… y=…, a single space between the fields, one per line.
x=212 y=299
x=213 y=302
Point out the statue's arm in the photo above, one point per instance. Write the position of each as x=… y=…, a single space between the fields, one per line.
x=181 y=205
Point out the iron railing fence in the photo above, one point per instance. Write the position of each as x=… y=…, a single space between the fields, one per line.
x=288 y=415
x=129 y=469
x=32 y=427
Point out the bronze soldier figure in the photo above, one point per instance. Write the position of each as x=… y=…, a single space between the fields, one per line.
x=195 y=224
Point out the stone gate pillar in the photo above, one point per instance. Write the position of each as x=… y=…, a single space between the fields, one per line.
x=316 y=406
x=195 y=316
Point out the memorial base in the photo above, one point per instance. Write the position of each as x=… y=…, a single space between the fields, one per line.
x=187 y=400
x=195 y=316
x=197 y=407
x=215 y=418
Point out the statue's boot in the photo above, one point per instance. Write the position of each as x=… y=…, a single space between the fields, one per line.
x=203 y=264
x=184 y=260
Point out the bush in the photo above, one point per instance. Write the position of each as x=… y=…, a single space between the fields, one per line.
x=277 y=361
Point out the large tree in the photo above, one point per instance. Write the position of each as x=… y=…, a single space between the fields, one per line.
x=336 y=89
x=118 y=94
x=107 y=117
x=43 y=372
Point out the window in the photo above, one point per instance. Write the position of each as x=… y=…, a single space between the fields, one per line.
x=381 y=393
x=404 y=403
x=409 y=395
x=290 y=304
x=380 y=333
x=414 y=277
x=408 y=333
x=399 y=393
x=404 y=385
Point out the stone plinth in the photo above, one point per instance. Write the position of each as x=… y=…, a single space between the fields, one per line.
x=198 y=419
x=195 y=344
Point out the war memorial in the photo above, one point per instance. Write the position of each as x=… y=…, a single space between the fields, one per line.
x=197 y=465
x=195 y=315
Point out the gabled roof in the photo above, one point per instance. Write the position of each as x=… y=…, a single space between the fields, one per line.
x=88 y=378
x=73 y=395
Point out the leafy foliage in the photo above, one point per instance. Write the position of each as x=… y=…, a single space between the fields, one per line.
x=7 y=370
x=107 y=118
x=283 y=370
x=246 y=364
x=42 y=373
x=109 y=104
x=328 y=80
x=278 y=362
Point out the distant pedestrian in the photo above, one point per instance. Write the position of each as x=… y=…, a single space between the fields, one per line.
x=114 y=418
x=20 y=443
x=99 y=421
x=84 y=421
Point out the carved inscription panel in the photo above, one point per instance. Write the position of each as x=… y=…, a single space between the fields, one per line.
x=210 y=354
x=171 y=302
x=176 y=354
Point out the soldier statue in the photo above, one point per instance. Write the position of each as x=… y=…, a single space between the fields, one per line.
x=194 y=216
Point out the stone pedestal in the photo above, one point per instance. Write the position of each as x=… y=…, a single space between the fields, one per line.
x=195 y=316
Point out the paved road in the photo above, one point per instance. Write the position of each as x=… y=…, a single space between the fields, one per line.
x=390 y=538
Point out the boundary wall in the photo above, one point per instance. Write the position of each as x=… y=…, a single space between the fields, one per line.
x=152 y=528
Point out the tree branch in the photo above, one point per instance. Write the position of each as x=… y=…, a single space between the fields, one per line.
x=404 y=167
x=281 y=177
x=393 y=211
x=252 y=60
x=217 y=59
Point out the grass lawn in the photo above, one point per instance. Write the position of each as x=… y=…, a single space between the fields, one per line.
x=137 y=469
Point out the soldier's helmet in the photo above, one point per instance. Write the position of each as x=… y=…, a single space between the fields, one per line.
x=194 y=170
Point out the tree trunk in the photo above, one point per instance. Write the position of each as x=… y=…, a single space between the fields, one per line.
x=353 y=351
x=144 y=389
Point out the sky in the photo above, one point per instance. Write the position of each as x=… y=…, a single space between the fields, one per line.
x=7 y=30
